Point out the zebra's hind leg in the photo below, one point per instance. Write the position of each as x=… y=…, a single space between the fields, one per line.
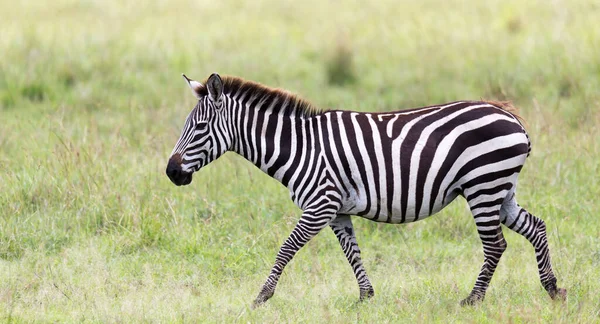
x=534 y=230
x=343 y=229
x=485 y=205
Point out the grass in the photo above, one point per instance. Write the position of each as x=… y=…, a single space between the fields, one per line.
x=91 y=102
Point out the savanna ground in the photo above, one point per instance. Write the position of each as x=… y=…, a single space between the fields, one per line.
x=91 y=103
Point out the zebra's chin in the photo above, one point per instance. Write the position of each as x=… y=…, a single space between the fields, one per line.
x=183 y=179
x=177 y=176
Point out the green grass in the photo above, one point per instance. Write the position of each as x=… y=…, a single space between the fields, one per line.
x=91 y=103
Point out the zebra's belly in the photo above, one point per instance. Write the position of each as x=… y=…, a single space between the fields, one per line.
x=393 y=213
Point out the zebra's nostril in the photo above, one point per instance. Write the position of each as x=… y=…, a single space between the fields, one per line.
x=173 y=169
x=172 y=172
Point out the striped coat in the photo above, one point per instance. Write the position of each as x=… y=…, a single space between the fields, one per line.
x=394 y=167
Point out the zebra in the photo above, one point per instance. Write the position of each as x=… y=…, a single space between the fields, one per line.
x=392 y=167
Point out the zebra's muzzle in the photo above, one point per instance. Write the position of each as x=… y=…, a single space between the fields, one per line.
x=176 y=174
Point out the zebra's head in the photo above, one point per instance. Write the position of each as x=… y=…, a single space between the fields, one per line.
x=204 y=136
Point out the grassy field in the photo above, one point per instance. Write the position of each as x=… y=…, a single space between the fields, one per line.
x=91 y=103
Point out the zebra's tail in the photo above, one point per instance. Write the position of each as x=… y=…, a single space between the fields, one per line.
x=514 y=111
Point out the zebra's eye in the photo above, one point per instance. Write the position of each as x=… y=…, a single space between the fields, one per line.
x=201 y=125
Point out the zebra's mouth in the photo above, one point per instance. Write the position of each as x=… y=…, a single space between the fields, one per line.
x=183 y=179
x=180 y=178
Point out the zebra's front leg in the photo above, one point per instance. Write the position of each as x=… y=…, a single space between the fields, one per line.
x=308 y=226
x=343 y=229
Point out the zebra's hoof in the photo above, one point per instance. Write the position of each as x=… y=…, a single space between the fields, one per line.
x=261 y=299
x=258 y=302
x=560 y=294
x=366 y=294
x=471 y=300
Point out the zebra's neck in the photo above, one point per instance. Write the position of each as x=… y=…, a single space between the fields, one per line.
x=273 y=135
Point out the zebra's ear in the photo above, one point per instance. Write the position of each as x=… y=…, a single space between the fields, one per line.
x=214 y=84
x=194 y=85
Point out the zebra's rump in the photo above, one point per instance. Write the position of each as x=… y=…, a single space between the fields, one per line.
x=404 y=166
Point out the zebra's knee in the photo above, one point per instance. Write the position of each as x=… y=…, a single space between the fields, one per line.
x=538 y=235
x=540 y=225
x=500 y=248
x=494 y=249
x=502 y=245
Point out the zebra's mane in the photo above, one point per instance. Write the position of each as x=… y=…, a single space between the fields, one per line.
x=294 y=105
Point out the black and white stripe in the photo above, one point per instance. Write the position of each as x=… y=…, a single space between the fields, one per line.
x=395 y=167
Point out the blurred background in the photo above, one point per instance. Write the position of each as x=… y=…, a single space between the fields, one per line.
x=92 y=102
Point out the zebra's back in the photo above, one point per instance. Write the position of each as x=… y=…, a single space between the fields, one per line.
x=404 y=166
